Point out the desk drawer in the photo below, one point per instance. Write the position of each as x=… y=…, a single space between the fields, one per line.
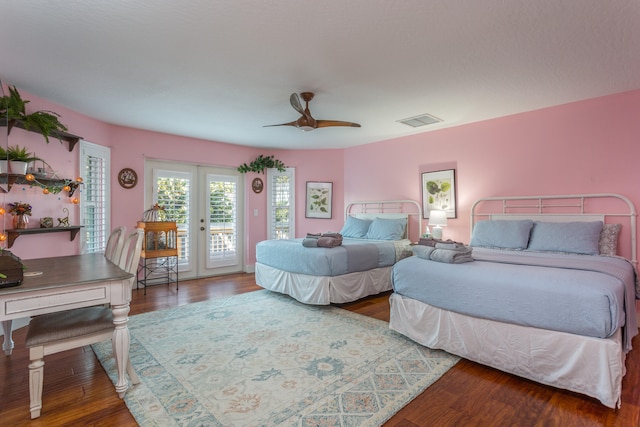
x=63 y=300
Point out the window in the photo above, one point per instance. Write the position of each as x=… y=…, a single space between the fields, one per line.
x=172 y=192
x=95 y=163
x=280 y=204
x=223 y=235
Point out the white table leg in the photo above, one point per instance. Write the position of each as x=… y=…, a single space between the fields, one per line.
x=7 y=344
x=120 y=342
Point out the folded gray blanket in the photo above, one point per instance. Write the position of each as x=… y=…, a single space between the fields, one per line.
x=310 y=242
x=456 y=256
x=453 y=246
x=325 y=240
x=451 y=256
x=422 y=251
x=329 y=242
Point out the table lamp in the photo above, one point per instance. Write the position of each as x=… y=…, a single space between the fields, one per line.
x=437 y=219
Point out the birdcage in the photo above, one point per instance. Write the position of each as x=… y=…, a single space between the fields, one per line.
x=160 y=239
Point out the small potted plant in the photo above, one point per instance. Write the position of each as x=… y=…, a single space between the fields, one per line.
x=19 y=158
x=3 y=161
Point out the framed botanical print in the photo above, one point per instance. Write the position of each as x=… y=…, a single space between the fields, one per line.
x=439 y=192
x=319 y=200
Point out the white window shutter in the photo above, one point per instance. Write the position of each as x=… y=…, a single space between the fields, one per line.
x=281 y=204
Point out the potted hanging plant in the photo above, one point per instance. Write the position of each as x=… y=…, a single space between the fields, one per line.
x=46 y=123
x=19 y=158
x=261 y=163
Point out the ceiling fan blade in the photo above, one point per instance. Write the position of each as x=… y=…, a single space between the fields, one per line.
x=306 y=122
x=294 y=123
x=295 y=103
x=329 y=123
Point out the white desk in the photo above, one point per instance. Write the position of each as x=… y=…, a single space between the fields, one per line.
x=71 y=282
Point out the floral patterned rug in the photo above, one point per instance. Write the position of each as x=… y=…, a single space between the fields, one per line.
x=264 y=359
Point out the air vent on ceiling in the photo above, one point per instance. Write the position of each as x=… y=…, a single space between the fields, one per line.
x=421 y=120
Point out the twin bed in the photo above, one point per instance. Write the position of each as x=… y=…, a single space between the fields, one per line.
x=547 y=297
x=375 y=236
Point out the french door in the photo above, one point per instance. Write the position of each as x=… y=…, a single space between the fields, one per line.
x=207 y=204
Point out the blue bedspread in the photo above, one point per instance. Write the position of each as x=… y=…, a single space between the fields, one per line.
x=352 y=256
x=579 y=294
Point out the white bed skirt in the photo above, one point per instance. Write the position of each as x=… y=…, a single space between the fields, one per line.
x=324 y=290
x=587 y=365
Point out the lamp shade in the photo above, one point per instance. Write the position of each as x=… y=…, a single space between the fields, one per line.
x=438 y=218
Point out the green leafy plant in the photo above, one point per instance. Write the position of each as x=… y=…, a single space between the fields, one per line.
x=20 y=154
x=261 y=163
x=3 y=153
x=43 y=122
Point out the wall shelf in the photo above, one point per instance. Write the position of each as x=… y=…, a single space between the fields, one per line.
x=64 y=136
x=12 y=178
x=14 y=234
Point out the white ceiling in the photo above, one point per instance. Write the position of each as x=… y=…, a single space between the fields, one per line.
x=221 y=70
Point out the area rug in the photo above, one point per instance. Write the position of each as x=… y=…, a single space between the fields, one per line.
x=264 y=359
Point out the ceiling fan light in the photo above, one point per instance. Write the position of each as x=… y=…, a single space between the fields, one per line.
x=306 y=128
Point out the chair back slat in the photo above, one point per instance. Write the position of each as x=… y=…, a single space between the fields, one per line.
x=131 y=249
x=113 y=250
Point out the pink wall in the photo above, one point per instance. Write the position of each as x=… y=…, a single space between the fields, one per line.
x=62 y=161
x=132 y=146
x=585 y=147
x=589 y=146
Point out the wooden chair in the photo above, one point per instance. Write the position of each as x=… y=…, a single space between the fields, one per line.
x=113 y=250
x=55 y=332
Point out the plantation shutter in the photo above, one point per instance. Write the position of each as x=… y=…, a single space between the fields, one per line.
x=94 y=196
x=172 y=190
x=281 y=204
x=223 y=227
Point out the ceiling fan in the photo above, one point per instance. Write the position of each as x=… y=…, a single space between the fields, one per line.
x=306 y=122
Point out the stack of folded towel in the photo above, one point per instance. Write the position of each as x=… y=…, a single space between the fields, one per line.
x=324 y=240
x=449 y=252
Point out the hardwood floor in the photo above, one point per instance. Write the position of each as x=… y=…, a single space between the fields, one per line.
x=78 y=392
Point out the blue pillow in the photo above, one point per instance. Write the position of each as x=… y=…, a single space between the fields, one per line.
x=571 y=237
x=355 y=228
x=387 y=229
x=502 y=234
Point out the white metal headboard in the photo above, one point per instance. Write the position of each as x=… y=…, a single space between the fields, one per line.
x=387 y=209
x=559 y=208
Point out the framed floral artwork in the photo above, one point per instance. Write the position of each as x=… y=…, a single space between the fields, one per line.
x=439 y=192
x=318 y=200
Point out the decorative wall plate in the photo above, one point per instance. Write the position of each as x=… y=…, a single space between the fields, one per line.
x=127 y=178
x=257 y=185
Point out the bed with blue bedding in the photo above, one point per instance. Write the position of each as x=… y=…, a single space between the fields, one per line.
x=372 y=242
x=545 y=297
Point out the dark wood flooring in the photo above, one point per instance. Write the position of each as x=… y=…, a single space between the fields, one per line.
x=78 y=392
